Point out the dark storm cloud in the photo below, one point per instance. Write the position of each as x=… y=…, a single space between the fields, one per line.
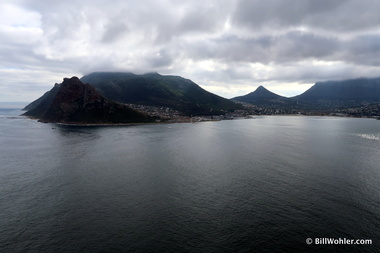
x=195 y=18
x=289 y=47
x=114 y=31
x=336 y=15
x=280 y=13
x=227 y=42
x=364 y=50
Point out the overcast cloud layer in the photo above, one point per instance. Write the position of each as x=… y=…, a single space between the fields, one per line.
x=229 y=47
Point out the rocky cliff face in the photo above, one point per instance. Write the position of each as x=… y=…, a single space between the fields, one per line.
x=77 y=103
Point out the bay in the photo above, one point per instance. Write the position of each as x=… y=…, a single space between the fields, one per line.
x=255 y=185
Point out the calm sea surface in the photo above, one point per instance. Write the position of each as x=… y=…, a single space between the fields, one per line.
x=254 y=185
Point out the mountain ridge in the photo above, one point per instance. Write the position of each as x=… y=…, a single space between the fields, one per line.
x=342 y=94
x=153 y=89
x=329 y=95
x=189 y=99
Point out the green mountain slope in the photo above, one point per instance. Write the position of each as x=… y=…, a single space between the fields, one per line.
x=157 y=90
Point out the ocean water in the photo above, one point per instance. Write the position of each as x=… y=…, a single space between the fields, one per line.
x=255 y=185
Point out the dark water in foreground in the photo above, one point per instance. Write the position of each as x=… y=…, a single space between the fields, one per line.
x=258 y=185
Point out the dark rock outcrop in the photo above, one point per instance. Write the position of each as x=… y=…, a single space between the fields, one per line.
x=74 y=102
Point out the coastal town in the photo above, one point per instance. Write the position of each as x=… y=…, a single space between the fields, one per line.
x=170 y=115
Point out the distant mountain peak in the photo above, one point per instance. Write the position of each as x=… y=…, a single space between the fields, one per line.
x=261 y=90
x=264 y=98
x=261 y=93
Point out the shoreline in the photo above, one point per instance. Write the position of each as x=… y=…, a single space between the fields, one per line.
x=187 y=121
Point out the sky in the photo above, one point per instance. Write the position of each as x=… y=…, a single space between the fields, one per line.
x=228 y=47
